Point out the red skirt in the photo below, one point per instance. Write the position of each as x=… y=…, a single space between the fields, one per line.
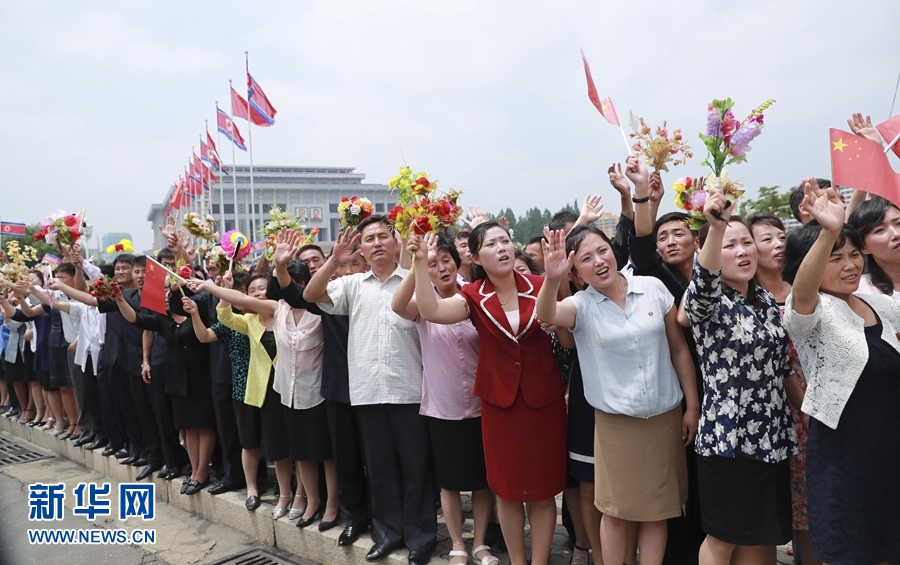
x=525 y=449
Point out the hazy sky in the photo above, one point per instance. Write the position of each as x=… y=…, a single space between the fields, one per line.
x=105 y=99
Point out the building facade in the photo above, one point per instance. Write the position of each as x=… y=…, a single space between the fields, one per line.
x=309 y=193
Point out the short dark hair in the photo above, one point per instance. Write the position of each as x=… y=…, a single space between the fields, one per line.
x=67 y=268
x=537 y=239
x=462 y=234
x=445 y=243
x=240 y=279
x=163 y=254
x=308 y=247
x=256 y=277
x=671 y=217
x=476 y=238
x=865 y=218
x=375 y=219
x=773 y=221
x=198 y=270
x=561 y=218
x=127 y=258
x=529 y=262
x=299 y=273
x=801 y=240
x=107 y=270
x=576 y=237
x=139 y=261
x=796 y=197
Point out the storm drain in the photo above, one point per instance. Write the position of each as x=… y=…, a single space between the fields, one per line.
x=257 y=556
x=13 y=452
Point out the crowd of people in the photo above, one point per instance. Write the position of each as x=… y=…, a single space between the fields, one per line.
x=698 y=397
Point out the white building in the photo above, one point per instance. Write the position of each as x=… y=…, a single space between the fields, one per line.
x=311 y=193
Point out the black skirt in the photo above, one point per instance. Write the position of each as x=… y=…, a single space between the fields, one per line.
x=307 y=431
x=458 y=452
x=580 y=430
x=193 y=412
x=275 y=445
x=745 y=502
x=249 y=424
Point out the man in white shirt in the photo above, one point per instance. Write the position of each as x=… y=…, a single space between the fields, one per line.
x=385 y=367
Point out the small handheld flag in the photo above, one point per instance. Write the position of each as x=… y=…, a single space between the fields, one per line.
x=605 y=105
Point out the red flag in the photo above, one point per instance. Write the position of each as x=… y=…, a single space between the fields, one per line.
x=862 y=164
x=239 y=110
x=153 y=295
x=889 y=130
x=604 y=106
x=259 y=102
x=12 y=229
x=229 y=129
x=177 y=199
x=211 y=143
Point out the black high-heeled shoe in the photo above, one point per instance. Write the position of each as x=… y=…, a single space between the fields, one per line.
x=325 y=526
x=304 y=522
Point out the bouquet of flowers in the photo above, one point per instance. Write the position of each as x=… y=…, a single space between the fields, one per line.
x=216 y=254
x=16 y=270
x=281 y=219
x=61 y=227
x=235 y=245
x=124 y=246
x=420 y=209
x=201 y=226
x=690 y=195
x=660 y=149
x=105 y=287
x=353 y=210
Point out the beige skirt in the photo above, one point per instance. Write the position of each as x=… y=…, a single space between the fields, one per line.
x=640 y=472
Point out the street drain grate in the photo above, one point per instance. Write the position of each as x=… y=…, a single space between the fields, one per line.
x=13 y=452
x=256 y=557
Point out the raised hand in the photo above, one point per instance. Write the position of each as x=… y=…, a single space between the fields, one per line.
x=190 y=307
x=863 y=127
x=195 y=285
x=556 y=263
x=716 y=209
x=287 y=244
x=657 y=190
x=475 y=216
x=618 y=180
x=343 y=246
x=504 y=223
x=227 y=280
x=636 y=171
x=417 y=248
x=429 y=243
x=823 y=204
x=592 y=208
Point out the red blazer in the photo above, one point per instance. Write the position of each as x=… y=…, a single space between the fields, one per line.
x=510 y=362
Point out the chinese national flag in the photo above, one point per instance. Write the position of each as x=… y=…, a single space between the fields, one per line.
x=604 y=106
x=153 y=296
x=889 y=130
x=861 y=164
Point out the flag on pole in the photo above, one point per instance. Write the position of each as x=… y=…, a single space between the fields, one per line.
x=229 y=129
x=153 y=295
x=50 y=259
x=239 y=110
x=889 y=130
x=203 y=171
x=605 y=105
x=12 y=229
x=862 y=164
x=204 y=151
x=211 y=143
x=259 y=102
x=208 y=154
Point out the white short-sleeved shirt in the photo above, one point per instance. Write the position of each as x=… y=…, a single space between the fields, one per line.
x=384 y=357
x=624 y=354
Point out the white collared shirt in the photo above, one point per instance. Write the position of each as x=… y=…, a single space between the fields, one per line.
x=624 y=354
x=298 y=371
x=384 y=356
x=89 y=334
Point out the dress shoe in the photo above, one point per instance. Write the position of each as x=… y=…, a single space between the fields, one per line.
x=85 y=439
x=146 y=472
x=304 y=522
x=325 y=526
x=128 y=460
x=194 y=487
x=140 y=462
x=223 y=487
x=122 y=454
x=109 y=451
x=170 y=474
x=252 y=503
x=350 y=535
x=185 y=484
x=5 y=409
x=379 y=551
x=419 y=557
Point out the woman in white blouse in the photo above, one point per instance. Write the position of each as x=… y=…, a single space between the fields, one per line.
x=636 y=368
x=849 y=348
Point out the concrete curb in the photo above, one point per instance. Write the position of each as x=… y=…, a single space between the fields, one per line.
x=225 y=509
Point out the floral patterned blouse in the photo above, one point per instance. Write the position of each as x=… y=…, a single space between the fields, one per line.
x=239 y=350
x=744 y=360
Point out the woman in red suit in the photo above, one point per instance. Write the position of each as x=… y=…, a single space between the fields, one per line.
x=523 y=410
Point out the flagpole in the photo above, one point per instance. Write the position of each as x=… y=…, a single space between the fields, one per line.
x=892 y=143
x=234 y=184
x=221 y=190
x=625 y=137
x=250 y=150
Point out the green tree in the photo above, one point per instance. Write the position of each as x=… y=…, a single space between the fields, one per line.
x=770 y=201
